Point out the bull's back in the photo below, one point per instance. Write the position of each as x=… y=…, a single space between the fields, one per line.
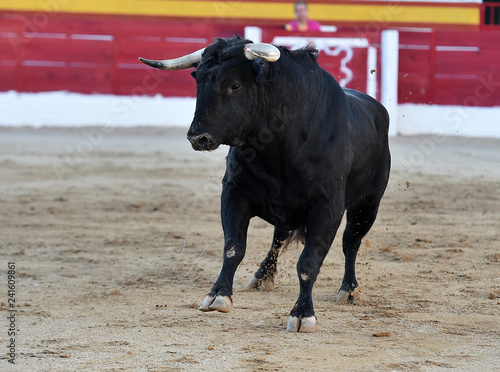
x=362 y=105
x=368 y=133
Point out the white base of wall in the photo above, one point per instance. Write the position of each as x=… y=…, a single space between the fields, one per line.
x=464 y=121
x=73 y=109
x=63 y=109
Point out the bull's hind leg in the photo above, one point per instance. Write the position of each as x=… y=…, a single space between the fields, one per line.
x=263 y=278
x=359 y=222
x=319 y=238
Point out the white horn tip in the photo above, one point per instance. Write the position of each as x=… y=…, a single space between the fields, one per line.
x=155 y=64
x=262 y=50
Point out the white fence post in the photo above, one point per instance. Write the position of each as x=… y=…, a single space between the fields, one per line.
x=371 y=73
x=390 y=70
x=253 y=33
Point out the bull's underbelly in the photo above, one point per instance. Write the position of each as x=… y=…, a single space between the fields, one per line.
x=281 y=206
x=285 y=218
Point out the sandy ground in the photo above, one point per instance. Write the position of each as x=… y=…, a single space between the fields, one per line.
x=116 y=238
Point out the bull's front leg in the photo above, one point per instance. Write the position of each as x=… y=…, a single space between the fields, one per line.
x=235 y=219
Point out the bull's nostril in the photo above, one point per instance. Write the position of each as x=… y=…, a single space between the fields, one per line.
x=203 y=141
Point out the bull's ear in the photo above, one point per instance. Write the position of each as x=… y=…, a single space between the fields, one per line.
x=193 y=73
x=262 y=70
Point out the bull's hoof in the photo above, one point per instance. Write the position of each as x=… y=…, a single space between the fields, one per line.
x=304 y=325
x=222 y=304
x=205 y=306
x=349 y=297
x=261 y=284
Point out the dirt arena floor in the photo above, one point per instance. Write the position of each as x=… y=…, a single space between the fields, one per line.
x=116 y=240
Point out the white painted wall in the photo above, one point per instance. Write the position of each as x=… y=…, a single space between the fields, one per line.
x=73 y=109
x=62 y=109
x=389 y=82
x=465 y=121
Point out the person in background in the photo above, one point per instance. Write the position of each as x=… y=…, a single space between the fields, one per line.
x=302 y=21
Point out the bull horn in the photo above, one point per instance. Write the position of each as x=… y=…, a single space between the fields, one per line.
x=180 y=63
x=265 y=51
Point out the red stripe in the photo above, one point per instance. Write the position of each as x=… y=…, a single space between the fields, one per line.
x=55 y=56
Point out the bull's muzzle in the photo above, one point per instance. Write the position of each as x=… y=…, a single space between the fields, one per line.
x=202 y=142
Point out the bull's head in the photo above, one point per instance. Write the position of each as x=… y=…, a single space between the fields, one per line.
x=228 y=75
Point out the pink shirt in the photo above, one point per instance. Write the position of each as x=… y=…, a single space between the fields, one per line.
x=311 y=26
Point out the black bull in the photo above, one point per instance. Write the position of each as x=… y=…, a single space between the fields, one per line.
x=303 y=151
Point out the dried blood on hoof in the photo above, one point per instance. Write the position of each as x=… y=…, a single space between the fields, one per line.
x=303 y=325
x=348 y=297
x=222 y=304
x=261 y=284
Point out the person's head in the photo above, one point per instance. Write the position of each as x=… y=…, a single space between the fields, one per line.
x=301 y=10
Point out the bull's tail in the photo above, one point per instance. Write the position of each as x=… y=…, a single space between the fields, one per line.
x=294 y=236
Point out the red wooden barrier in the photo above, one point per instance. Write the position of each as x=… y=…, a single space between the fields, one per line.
x=98 y=54
x=449 y=67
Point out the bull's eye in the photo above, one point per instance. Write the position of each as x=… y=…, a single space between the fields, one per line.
x=234 y=88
